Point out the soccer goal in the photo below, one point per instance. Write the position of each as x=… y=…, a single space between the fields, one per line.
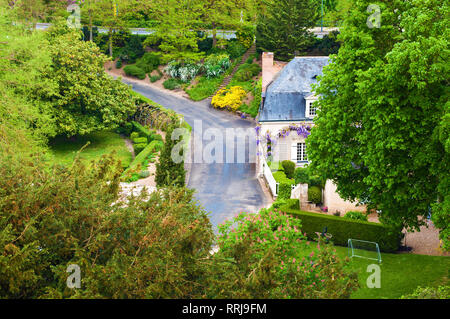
x=364 y=249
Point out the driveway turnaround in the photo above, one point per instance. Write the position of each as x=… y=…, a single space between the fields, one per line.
x=224 y=189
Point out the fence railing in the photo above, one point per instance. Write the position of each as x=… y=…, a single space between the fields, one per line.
x=267 y=172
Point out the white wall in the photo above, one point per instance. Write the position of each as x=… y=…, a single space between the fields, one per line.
x=284 y=149
x=334 y=202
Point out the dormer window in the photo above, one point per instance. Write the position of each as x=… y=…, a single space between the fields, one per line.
x=312 y=110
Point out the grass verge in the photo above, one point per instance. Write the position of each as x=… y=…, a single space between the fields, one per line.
x=65 y=149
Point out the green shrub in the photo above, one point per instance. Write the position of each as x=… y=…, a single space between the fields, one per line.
x=280 y=177
x=304 y=176
x=141 y=158
x=441 y=292
x=132 y=50
x=125 y=129
x=157 y=137
x=172 y=84
x=288 y=167
x=216 y=64
x=140 y=140
x=134 y=136
x=155 y=78
x=301 y=175
x=143 y=131
x=243 y=75
x=315 y=194
x=343 y=229
x=139 y=147
x=284 y=191
x=144 y=174
x=235 y=49
x=247 y=71
x=158 y=145
x=149 y=62
x=356 y=216
x=255 y=69
x=316 y=181
x=133 y=70
x=118 y=64
x=291 y=203
x=246 y=35
x=249 y=60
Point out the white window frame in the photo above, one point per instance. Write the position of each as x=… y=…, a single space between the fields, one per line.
x=302 y=153
x=309 y=106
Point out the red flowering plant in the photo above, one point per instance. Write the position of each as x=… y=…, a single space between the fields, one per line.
x=271 y=258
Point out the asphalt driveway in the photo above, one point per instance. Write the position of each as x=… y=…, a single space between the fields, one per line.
x=224 y=189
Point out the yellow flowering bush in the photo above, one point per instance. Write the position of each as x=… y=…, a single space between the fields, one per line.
x=230 y=99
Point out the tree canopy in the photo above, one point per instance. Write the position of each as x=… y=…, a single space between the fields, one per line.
x=282 y=27
x=382 y=125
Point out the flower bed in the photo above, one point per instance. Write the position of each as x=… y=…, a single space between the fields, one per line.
x=230 y=99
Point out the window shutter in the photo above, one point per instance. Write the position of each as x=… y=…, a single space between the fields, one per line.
x=294 y=152
x=283 y=149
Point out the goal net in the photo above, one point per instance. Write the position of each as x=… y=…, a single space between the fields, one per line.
x=364 y=249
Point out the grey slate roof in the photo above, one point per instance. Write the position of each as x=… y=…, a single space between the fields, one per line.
x=285 y=96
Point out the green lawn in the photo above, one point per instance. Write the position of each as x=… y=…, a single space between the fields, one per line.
x=101 y=143
x=401 y=273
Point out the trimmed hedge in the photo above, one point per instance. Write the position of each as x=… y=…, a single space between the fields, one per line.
x=149 y=62
x=315 y=194
x=288 y=167
x=142 y=156
x=139 y=147
x=134 y=135
x=143 y=131
x=172 y=84
x=133 y=70
x=284 y=191
x=140 y=140
x=343 y=229
x=356 y=216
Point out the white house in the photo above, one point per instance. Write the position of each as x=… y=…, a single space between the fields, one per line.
x=287 y=105
x=287 y=115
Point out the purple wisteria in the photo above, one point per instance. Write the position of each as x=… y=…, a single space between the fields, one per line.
x=302 y=130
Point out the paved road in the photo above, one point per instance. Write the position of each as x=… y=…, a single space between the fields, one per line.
x=224 y=189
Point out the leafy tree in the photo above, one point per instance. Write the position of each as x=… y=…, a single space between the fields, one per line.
x=336 y=13
x=175 y=30
x=382 y=126
x=87 y=99
x=170 y=171
x=221 y=13
x=267 y=256
x=148 y=247
x=109 y=14
x=23 y=58
x=283 y=27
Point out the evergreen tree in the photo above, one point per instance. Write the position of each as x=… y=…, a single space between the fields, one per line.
x=169 y=172
x=283 y=26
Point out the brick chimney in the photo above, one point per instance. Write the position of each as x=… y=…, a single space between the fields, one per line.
x=268 y=70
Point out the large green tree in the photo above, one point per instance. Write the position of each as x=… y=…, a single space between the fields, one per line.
x=282 y=26
x=382 y=126
x=175 y=32
x=87 y=99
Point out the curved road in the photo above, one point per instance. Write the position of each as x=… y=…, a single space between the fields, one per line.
x=224 y=189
